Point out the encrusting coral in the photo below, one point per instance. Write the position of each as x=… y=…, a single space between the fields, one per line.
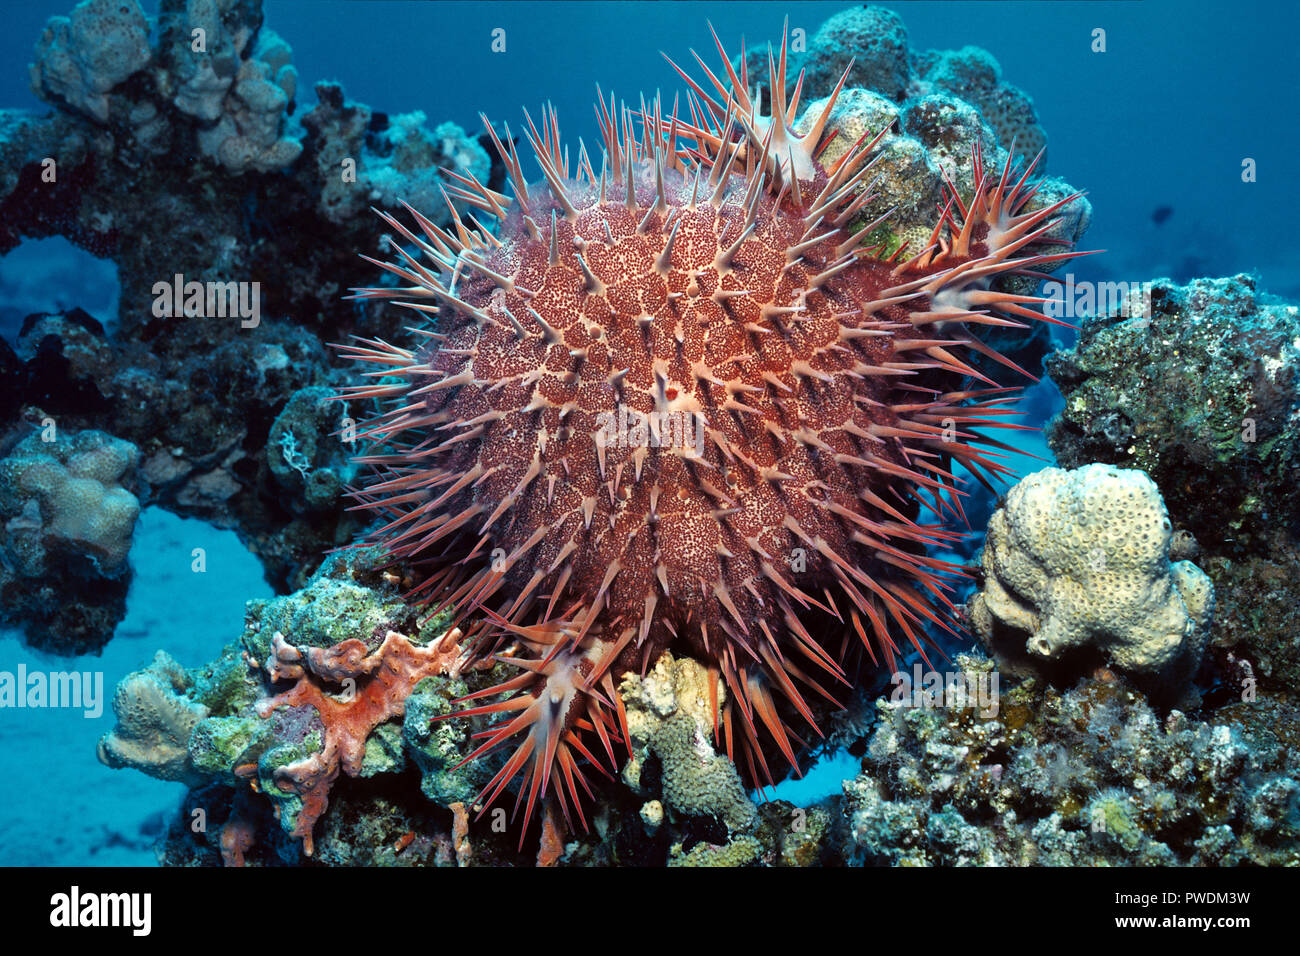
x=376 y=684
x=1078 y=561
x=671 y=713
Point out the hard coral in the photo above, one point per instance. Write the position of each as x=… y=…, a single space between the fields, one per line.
x=67 y=518
x=1079 y=561
x=154 y=721
x=1087 y=776
x=81 y=57
x=705 y=286
x=70 y=488
x=974 y=75
x=671 y=713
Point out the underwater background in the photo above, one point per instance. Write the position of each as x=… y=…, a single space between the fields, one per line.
x=1155 y=129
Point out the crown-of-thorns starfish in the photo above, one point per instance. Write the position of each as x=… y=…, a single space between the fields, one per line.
x=707 y=274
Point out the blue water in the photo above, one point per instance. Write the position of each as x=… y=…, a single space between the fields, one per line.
x=61 y=805
x=1186 y=90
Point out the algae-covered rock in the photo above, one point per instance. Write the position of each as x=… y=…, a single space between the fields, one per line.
x=348 y=597
x=304 y=457
x=1087 y=776
x=438 y=746
x=1199 y=389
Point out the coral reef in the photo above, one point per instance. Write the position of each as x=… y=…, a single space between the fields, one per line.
x=929 y=123
x=923 y=143
x=1198 y=389
x=376 y=684
x=1257 y=616
x=741 y=851
x=803 y=297
x=67 y=516
x=1076 y=563
x=250 y=128
x=395 y=158
x=201 y=424
x=327 y=701
x=336 y=749
x=307 y=463
x=187 y=159
x=875 y=40
x=1197 y=386
x=1089 y=776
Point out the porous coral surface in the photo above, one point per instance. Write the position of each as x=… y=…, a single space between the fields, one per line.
x=1079 y=560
